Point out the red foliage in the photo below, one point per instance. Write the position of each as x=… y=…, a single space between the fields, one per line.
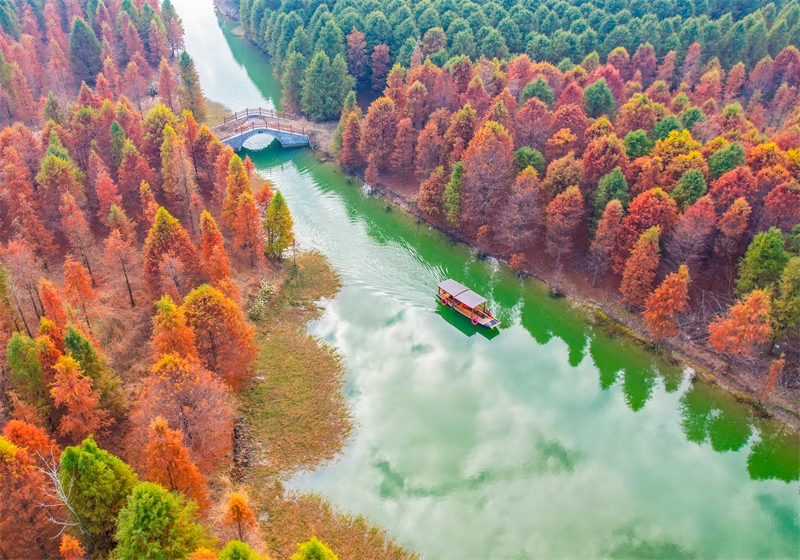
x=167 y=463
x=533 y=124
x=732 y=225
x=671 y=297
x=782 y=206
x=651 y=208
x=431 y=191
x=350 y=155
x=563 y=216
x=378 y=131
x=380 y=66
x=72 y=392
x=744 y=326
x=691 y=238
x=640 y=268
x=192 y=400
x=602 y=156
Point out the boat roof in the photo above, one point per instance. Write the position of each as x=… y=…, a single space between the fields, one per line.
x=462 y=294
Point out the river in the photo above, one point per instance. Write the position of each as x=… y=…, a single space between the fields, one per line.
x=549 y=439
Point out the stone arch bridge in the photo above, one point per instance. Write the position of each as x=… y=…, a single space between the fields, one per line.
x=237 y=128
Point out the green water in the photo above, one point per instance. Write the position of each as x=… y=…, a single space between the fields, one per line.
x=549 y=439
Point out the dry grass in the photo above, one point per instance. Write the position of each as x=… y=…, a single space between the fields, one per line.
x=214 y=113
x=298 y=419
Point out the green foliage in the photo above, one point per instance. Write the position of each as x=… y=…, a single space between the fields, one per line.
x=25 y=371
x=763 y=263
x=325 y=86
x=191 y=92
x=313 y=549
x=725 y=159
x=237 y=550
x=117 y=142
x=611 y=186
x=537 y=88
x=638 y=144
x=690 y=116
x=452 y=194
x=94 y=365
x=690 y=187
x=294 y=67
x=528 y=157
x=84 y=52
x=787 y=302
x=98 y=486
x=666 y=125
x=157 y=524
x=9 y=20
x=598 y=99
x=278 y=227
x=52 y=109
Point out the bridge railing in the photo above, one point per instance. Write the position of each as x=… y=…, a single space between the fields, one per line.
x=272 y=125
x=259 y=112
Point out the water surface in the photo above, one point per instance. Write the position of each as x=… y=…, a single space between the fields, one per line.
x=548 y=439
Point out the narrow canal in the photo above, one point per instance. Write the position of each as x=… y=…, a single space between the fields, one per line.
x=549 y=439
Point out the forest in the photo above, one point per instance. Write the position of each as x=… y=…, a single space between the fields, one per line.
x=126 y=231
x=650 y=146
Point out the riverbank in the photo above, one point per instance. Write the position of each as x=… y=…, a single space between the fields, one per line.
x=296 y=418
x=605 y=309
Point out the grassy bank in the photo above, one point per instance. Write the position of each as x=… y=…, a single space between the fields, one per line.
x=297 y=418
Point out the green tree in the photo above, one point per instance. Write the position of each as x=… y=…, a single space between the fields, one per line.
x=610 y=187
x=52 y=109
x=666 y=125
x=238 y=550
x=84 y=52
x=598 y=99
x=93 y=364
x=452 y=194
x=690 y=116
x=762 y=264
x=528 y=157
x=278 y=227
x=537 y=88
x=25 y=371
x=325 y=87
x=690 y=187
x=97 y=485
x=157 y=524
x=117 y=142
x=637 y=144
x=725 y=159
x=292 y=78
x=313 y=549
x=191 y=92
x=787 y=304
x=330 y=40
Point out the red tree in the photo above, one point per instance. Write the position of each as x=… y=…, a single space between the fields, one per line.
x=732 y=225
x=167 y=463
x=563 y=216
x=380 y=66
x=378 y=131
x=212 y=249
x=78 y=287
x=651 y=208
x=743 y=327
x=73 y=393
x=356 y=54
x=167 y=238
x=640 y=268
x=350 y=155
x=782 y=206
x=691 y=238
x=171 y=332
x=404 y=146
x=488 y=174
x=224 y=341
x=431 y=191
x=605 y=238
x=669 y=298
x=734 y=184
x=602 y=156
x=192 y=400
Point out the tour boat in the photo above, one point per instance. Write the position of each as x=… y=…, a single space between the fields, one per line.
x=468 y=303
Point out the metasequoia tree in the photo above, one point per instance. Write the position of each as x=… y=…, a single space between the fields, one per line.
x=431 y=191
x=237 y=182
x=224 y=341
x=78 y=287
x=167 y=238
x=212 y=249
x=191 y=93
x=563 y=216
x=25 y=526
x=119 y=255
x=247 y=228
x=168 y=464
x=670 y=298
x=171 y=332
x=70 y=548
x=489 y=169
x=640 y=268
x=277 y=227
x=732 y=226
x=691 y=238
x=178 y=173
x=72 y=392
x=378 y=131
x=239 y=522
x=651 y=208
x=193 y=400
x=313 y=549
x=743 y=327
x=167 y=86
x=156 y=523
x=52 y=304
x=605 y=238
x=95 y=486
x=39 y=446
x=77 y=229
x=523 y=214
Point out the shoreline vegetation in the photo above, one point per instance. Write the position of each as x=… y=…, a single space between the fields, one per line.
x=297 y=419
